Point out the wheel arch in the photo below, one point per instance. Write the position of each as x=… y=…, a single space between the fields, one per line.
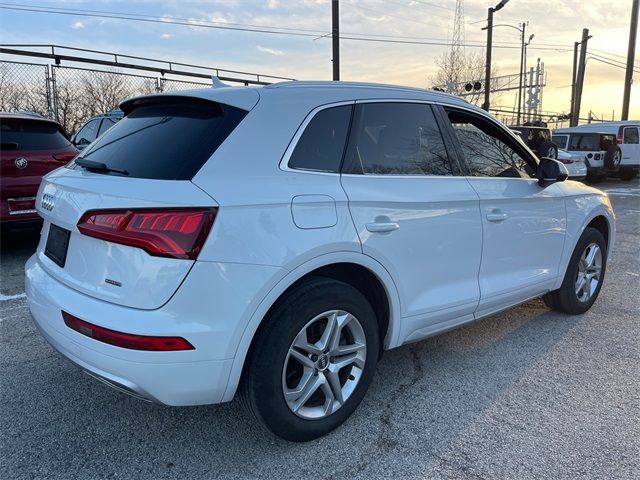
x=350 y=267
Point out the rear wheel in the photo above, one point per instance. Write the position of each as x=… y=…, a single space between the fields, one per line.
x=548 y=150
x=584 y=276
x=313 y=360
x=612 y=158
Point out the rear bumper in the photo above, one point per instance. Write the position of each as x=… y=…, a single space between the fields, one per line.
x=194 y=377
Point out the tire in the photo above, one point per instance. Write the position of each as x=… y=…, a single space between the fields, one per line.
x=275 y=365
x=612 y=158
x=547 y=149
x=568 y=298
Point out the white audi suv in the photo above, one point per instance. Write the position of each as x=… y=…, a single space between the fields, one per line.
x=274 y=241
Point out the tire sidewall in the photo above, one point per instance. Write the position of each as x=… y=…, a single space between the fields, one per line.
x=264 y=375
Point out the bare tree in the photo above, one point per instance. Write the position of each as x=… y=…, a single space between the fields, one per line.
x=456 y=68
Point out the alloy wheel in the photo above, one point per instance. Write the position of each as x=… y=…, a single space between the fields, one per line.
x=324 y=364
x=589 y=271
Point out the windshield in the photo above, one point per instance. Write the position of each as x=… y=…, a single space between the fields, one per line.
x=166 y=141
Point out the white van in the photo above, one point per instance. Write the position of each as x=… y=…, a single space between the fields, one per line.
x=628 y=139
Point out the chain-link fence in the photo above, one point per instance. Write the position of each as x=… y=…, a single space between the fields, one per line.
x=71 y=95
x=25 y=87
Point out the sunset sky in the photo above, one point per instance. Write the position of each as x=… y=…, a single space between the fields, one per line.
x=556 y=25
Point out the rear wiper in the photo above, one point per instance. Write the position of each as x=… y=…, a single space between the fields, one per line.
x=98 y=166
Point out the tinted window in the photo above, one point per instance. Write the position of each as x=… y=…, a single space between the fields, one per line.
x=31 y=135
x=169 y=141
x=397 y=139
x=88 y=133
x=630 y=135
x=488 y=151
x=321 y=146
x=561 y=140
x=590 y=142
x=106 y=124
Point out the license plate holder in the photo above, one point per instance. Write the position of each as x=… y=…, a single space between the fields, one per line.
x=57 y=244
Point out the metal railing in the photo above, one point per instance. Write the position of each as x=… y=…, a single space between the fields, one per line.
x=93 y=81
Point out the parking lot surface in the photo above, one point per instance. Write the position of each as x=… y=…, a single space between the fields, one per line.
x=527 y=393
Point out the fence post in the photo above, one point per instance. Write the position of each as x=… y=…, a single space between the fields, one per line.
x=54 y=92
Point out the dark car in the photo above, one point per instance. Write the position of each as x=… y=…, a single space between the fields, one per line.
x=30 y=147
x=94 y=127
x=537 y=138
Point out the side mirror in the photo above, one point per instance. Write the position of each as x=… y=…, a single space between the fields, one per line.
x=551 y=171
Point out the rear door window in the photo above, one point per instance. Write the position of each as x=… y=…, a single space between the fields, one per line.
x=630 y=135
x=561 y=141
x=168 y=140
x=31 y=135
x=584 y=142
x=397 y=139
x=321 y=146
x=88 y=133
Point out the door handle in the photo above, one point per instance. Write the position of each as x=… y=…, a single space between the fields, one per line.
x=496 y=215
x=381 y=227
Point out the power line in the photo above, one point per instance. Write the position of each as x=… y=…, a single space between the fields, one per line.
x=261 y=29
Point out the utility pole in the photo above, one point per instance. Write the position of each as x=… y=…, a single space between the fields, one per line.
x=335 y=35
x=524 y=26
x=580 y=78
x=487 y=72
x=573 y=82
x=628 y=78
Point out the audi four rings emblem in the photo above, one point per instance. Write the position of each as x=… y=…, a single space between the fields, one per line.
x=21 y=163
x=47 y=202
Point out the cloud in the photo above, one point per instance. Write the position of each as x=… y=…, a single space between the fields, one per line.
x=272 y=4
x=166 y=36
x=270 y=51
x=77 y=25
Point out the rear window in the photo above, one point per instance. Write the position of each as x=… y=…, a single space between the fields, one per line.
x=166 y=141
x=30 y=135
x=591 y=141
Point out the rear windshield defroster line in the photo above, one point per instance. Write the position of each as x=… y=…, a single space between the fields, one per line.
x=167 y=140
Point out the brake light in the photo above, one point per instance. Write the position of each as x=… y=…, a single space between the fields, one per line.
x=566 y=161
x=619 y=140
x=126 y=340
x=171 y=232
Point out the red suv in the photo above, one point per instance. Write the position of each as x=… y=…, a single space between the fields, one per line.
x=30 y=147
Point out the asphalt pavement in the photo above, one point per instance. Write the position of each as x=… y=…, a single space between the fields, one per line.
x=525 y=394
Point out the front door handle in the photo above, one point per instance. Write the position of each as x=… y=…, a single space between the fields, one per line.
x=496 y=215
x=381 y=227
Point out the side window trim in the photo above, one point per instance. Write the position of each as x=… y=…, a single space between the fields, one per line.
x=347 y=164
x=284 y=162
x=516 y=146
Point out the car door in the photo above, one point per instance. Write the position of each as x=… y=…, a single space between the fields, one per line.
x=524 y=224
x=414 y=213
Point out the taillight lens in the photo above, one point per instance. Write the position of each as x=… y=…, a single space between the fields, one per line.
x=596 y=156
x=566 y=161
x=126 y=340
x=173 y=232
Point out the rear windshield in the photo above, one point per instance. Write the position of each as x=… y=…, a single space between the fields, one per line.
x=167 y=141
x=591 y=142
x=31 y=135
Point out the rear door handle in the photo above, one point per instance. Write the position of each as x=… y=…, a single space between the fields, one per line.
x=496 y=215
x=381 y=227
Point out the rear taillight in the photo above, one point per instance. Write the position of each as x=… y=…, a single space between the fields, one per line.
x=566 y=161
x=619 y=137
x=596 y=156
x=126 y=340
x=172 y=232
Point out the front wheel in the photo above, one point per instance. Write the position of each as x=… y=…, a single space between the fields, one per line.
x=584 y=276
x=312 y=361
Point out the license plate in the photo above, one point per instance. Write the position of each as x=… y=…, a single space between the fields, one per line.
x=57 y=244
